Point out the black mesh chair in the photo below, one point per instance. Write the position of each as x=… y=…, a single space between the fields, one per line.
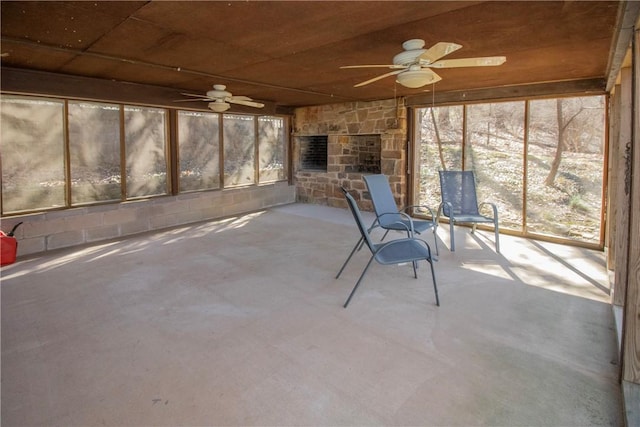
x=460 y=204
x=389 y=218
x=405 y=250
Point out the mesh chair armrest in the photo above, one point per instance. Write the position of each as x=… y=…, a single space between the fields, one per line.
x=493 y=206
x=409 y=229
x=421 y=207
x=441 y=209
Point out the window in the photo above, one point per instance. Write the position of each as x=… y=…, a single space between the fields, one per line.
x=565 y=167
x=94 y=152
x=544 y=171
x=33 y=157
x=494 y=150
x=145 y=151
x=239 y=150
x=58 y=153
x=199 y=150
x=271 y=149
x=439 y=147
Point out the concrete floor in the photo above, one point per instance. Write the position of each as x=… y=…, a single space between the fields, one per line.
x=240 y=322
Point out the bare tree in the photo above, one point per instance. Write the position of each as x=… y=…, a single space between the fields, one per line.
x=563 y=126
x=438 y=139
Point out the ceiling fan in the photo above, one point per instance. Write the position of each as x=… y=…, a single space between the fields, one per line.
x=413 y=66
x=219 y=99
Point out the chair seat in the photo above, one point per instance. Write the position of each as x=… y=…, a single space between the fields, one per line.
x=399 y=251
x=418 y=226
x=472 y=218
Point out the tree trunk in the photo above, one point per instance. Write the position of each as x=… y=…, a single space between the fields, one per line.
x=438 y=140
x=555 y=165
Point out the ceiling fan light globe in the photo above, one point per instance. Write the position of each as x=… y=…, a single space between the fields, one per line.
x=219 y=107
x=414 y=78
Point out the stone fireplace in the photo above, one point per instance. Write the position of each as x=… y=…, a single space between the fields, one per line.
x=361 y=138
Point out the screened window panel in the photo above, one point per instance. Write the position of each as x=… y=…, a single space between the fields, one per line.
x=199 y=150
x=32 y=149
x=145 y=152
x=565 y=167
x=94 y=152
x=494 y=150
x=439 y=138
x=271 y=149
x=239 y=141
x=565 y=159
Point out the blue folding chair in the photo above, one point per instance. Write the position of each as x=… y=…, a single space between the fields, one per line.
x=409 y=249
x=460 y=204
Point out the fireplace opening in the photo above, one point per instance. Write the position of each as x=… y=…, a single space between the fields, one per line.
x=365 y=152
x=313 y=152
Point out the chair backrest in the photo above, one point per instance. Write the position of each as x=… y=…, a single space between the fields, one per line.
x=353 y=206
x=459 y=189
x=382 y=199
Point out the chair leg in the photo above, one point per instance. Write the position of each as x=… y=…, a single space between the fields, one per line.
x=415 y=268
x=357 y=247
x=452 y=235
x=435 y=239
x=384 y=235
x=497 y=231
x=358 y=283
x=435 y=287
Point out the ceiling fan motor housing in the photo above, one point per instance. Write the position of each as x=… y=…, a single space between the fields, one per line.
x=219 y=92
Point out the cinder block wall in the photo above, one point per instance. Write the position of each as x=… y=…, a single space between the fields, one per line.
x=51 y=230
x=338 y=121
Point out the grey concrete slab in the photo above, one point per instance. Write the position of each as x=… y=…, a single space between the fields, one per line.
x=240 y=322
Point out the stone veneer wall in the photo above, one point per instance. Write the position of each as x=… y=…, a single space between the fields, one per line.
x=338 y=121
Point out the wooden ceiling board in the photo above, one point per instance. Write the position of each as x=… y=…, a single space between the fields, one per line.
x=34 y=56
x=145 y=42
x=65 y=24
x=291 y=52
x=124 y=71
x=283 y=28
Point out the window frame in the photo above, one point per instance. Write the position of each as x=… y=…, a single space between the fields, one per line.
x=413 y=167
x=171 y=152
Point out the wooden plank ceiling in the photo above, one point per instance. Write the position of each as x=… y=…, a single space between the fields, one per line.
x=289 y=53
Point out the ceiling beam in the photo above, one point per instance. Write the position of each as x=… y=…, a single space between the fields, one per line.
x=585 y=86
x=32 y=82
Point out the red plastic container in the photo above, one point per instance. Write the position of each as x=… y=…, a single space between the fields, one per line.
x=8 y=247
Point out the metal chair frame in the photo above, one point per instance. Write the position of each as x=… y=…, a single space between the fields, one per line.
x=461 y=207
x=409 y=249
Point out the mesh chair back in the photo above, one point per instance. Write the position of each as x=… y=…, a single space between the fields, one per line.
x=353 y=207
x=382 y=199
x=459 y=189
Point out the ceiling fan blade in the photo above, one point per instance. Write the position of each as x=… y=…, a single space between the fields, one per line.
x=248 y=102
x=391 y=73
x=439 y=50
x=487 y=61
x=393 y=67
x=193 y=100
x=434 y=77
x=194 y=95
